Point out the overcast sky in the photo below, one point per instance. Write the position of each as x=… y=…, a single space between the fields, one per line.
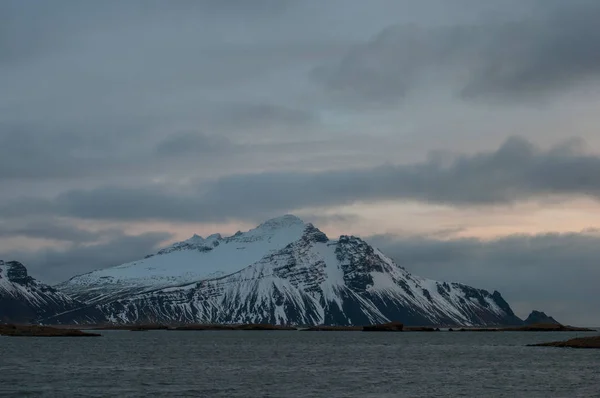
x=457 y=135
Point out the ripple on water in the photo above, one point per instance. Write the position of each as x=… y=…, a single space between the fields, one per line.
x=297 y=364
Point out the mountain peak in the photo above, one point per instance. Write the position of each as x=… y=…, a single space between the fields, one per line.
x=25 y=300
x=15 y=272
x=314 y=234
x=195 y=239
x=284 y=221
x=272 y=225
x=199 y=240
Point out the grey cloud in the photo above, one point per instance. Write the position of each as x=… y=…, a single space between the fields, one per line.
x=51 y=229
x=34 y=151
x=239 y=118
x=104 y=83
x=29 y=152
x=193 y=143
x=126 y=62
x=20 y=42
x=337 y=219
x=56 y=265
x=553 y=49
x=124 y=203
x=258 y=115
x=37 y=29
x=268 y=7
x=557 y=273
x=515 y=172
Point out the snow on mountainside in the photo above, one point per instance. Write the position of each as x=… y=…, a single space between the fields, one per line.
x=188 y=261
x=282 y=272
x=23 y=299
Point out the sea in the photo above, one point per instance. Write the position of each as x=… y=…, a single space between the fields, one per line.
x=297 y=364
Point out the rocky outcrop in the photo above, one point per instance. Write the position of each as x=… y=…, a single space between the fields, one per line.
x=538 y=317
x=25 y=300
x=551 y=327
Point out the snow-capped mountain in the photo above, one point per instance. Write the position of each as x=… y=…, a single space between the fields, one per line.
x=192 y=260
x=282 y=272
x=24 y=300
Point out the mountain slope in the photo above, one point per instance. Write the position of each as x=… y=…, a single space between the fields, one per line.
x=24 y=300
x=183 y=262
x=287 y=272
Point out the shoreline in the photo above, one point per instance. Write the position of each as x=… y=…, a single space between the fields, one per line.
x=11 y=330
x=392 y=326
x=88 y=330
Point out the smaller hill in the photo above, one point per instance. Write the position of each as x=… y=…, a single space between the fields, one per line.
x=581 y=342
x=538 y=317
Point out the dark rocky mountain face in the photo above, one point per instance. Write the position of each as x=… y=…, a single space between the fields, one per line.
x=24 y=300
x=537 y=317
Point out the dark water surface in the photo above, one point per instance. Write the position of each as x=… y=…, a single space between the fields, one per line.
x=297 y=364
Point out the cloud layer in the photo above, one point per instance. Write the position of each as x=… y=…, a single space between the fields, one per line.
x=517 y=171
x=551 y=50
